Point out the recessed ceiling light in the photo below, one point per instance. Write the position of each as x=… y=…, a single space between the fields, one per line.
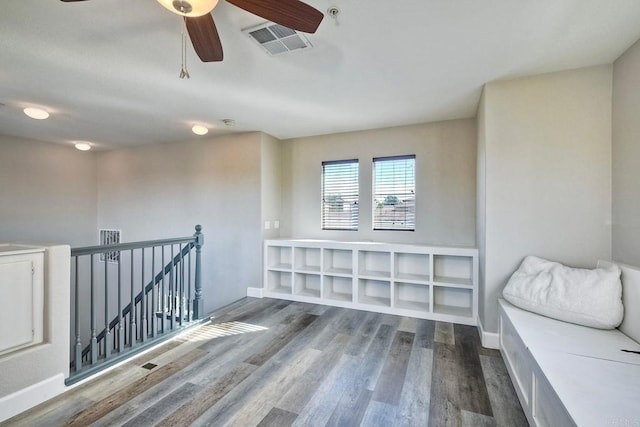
x=36 y=113
x=83 y=146
x=199 y=130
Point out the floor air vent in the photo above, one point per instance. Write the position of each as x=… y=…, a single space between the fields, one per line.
x=276 y=39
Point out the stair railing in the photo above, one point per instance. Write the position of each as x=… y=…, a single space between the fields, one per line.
x=160 y=298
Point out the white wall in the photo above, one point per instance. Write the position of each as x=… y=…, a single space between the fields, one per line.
x=626 y=157
x=445 y=181
x=163 y=191
x=47 y=193
x=270 y=184
x=546 y=154
x=34 y=374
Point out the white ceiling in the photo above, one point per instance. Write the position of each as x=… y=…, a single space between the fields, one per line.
x=107 y=70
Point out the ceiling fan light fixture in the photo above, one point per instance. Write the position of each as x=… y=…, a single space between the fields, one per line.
x=189 y=8
x=36 y=113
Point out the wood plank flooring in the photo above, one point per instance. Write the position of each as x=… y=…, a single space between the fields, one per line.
x=265 y=362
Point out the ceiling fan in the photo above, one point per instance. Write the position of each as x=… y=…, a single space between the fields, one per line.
x=202 y=30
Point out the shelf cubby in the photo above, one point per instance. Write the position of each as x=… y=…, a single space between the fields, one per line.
x=453 y=301
x=279 y=257
x=279 y=282
x=411 y=267
x=412 y=296
x=307 y=285
x=426 y=282
x=307 y=259
x=338 y=288
x=338 y=261
x=453 y=269
x=374 y=264
x=374 y=292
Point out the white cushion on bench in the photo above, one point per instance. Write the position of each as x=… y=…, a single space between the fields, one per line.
x=586 y=297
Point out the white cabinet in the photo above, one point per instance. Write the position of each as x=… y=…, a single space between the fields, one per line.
x=412 y=280
x=567 y=374
x=22 y=297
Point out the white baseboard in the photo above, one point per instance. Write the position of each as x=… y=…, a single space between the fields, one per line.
x=31 y=396
x=489 y=339
x=254 y=292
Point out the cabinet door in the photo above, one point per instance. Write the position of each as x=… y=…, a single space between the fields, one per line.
x=17 y=304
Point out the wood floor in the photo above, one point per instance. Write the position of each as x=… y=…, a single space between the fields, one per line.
x=265 y=362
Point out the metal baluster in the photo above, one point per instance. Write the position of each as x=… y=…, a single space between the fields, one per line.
x=107 y=336
x=198 y=302
x=189 y=305
x=172 y=291
x=132 y=312
x=153 y=292
x=121 y=336
x=164 y=296
x=143 y=306
x=181 y=282
x=78 y=346
x=94 y=341
x=179 y=287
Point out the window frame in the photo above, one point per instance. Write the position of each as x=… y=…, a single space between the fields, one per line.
x=374 y=194
x=325 y=223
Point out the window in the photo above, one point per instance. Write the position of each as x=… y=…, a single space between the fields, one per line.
x=340 y=195
x=394 y=193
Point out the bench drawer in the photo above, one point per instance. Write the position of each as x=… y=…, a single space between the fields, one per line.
x=548 y=410
x=518 y=360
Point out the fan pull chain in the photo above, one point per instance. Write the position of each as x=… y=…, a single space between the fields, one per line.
x=184 y=73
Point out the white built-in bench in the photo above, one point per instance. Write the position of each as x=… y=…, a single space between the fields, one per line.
x=566 y=374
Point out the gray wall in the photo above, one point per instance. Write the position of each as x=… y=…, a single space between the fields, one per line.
x=546 y=156
x=445 y=181
x=47 y=193
x=162 y=191
x=626 y=157
x=481 y=205
x=270 y=184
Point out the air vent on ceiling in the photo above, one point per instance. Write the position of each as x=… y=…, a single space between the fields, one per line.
x=276 y=39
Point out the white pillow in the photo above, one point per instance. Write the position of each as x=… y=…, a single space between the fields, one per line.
x=586 y=297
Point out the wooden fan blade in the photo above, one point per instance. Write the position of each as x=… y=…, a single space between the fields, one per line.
x=68 y=1
x=292 y=14
x=204 y=37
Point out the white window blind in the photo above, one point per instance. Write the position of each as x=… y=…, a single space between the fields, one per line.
x=394 y=193
x=340 y=195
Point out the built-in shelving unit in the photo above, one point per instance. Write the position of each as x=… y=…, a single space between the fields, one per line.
x=439 y=283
